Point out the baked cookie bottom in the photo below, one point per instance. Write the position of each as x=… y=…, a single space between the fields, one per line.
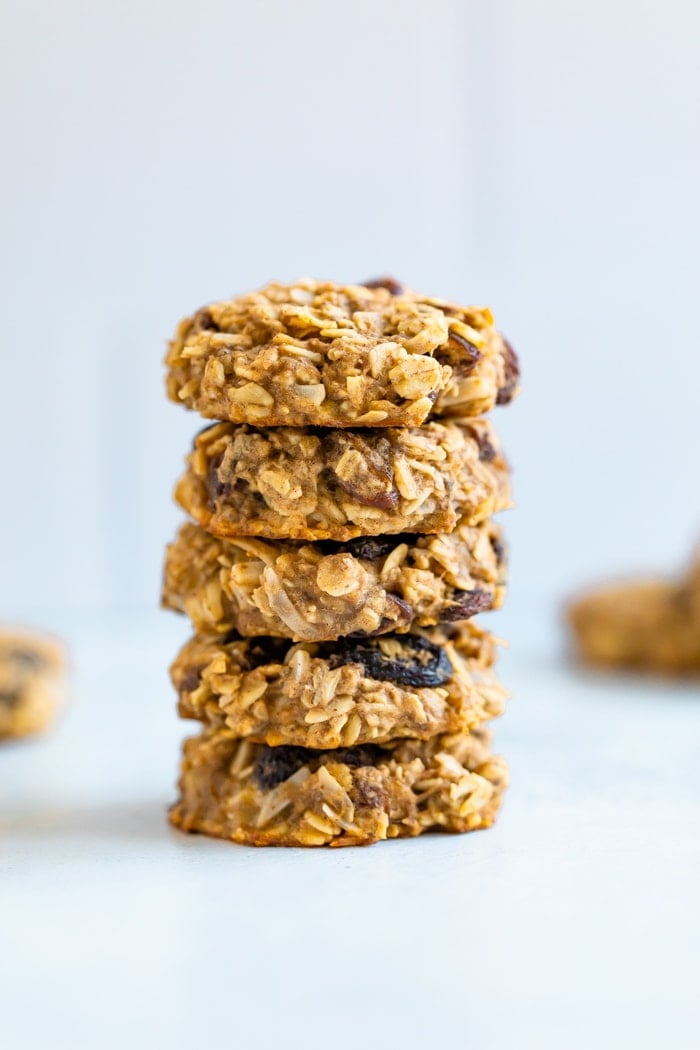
x=339 y=694
x=318 y=592
x=308 y=484
x=646 y=626
x=249 y=793
x=320 y=354
x=32 y=682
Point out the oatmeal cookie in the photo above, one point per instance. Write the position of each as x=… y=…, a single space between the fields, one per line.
x=288 y=796
x=643 y=625
x=315 y=592
x=337 y=694
x=32 y=681
x=319 y=354
x=308 y=484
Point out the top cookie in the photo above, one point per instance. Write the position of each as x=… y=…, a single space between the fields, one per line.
x=316 y=353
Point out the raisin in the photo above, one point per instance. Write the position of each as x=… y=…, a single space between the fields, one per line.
x=368 y=548
x=362 y=755
x=390 y=283
x=498 y=550
x=265 y=650
x=203 y=321
x=512 y=377
x=276 y=764
x=223 y=487
x=383 y=499
x=487 y=451
x=372 y=484
x=403 y=611
x=27 y=659
x=466 y=604
x=257 y=651
x=190 y=680
x=10 y=697
x=421 y=663
x=372 y=548
x=470 y=354
x=217 y=487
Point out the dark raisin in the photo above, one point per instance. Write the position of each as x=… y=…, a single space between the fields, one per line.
x=382 y=499
x=487 y=451
x=265 y=650
x=403 y=611
x=512 y=377
x=190 y=680
x=372 y=548
x=369 y=548
x=27 y=659
x=371 y=485
x=362 y=755
x=217 y=487
x=10 y=697
x=203 y=321
x=499 y=550
x=257 y=651
x=469 y=356
x=421 y=663
x=390 y=283
x=276 y=764
x=329 y=479
x=466 y=604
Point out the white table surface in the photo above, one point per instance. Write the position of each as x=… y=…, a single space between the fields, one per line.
x=575 y=922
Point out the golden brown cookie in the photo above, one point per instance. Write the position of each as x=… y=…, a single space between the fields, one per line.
x=32 y=681
x=315 y=353
x=644 y=625
x=308 y=484
x=319 y=591
x=288 y=796
x=337 y=694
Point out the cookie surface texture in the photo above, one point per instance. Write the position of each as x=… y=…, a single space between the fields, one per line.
x=315 y=353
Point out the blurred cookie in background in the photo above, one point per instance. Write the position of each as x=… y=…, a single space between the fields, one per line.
x=33 y=681
x=645 y=625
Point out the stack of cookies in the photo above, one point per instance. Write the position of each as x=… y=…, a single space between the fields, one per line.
x=341 y=540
